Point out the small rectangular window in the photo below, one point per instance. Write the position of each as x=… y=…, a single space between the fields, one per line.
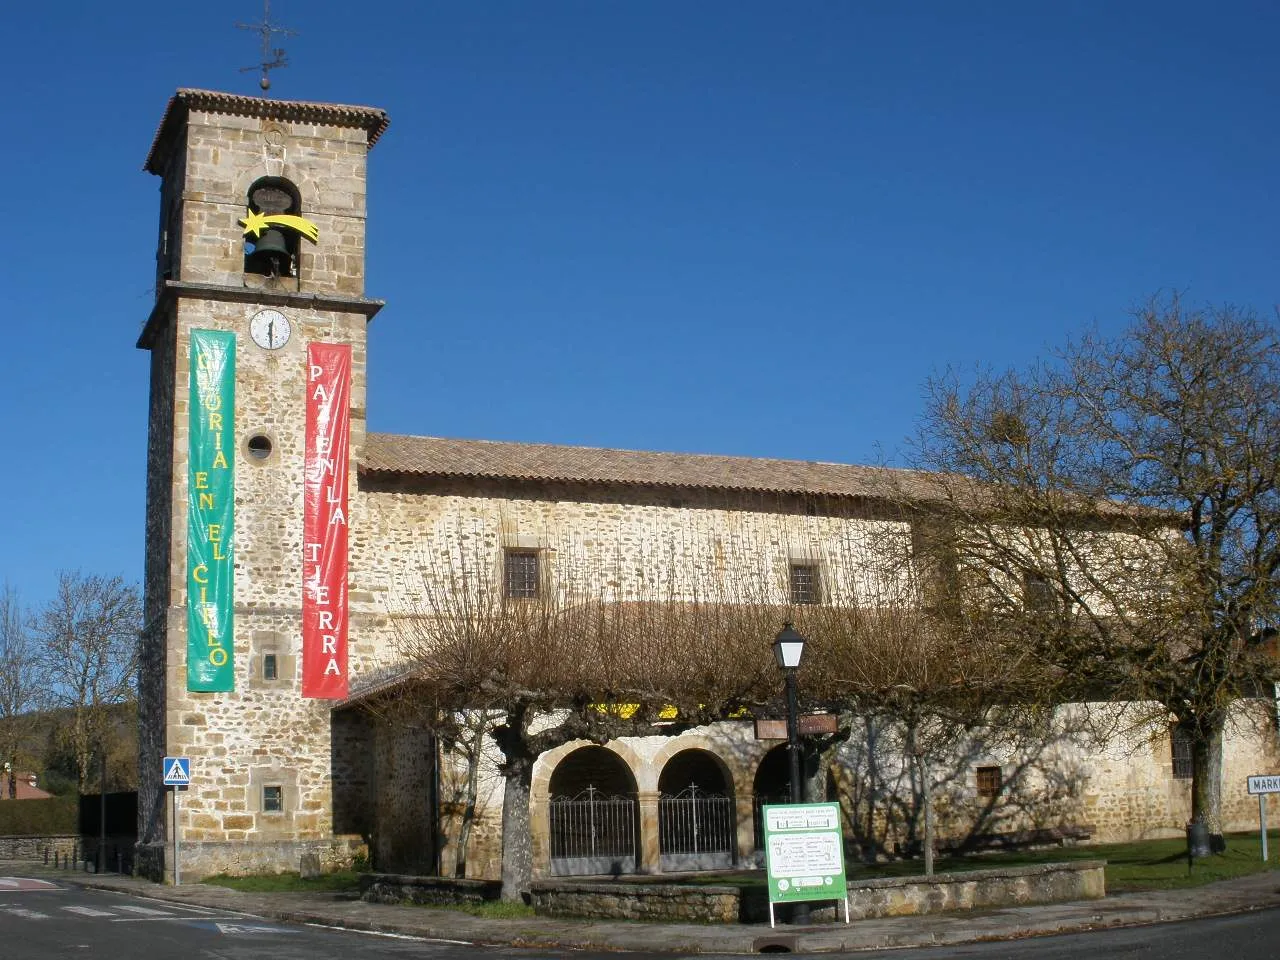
x=270 y=668
x=273 y=799
x=806 y=585
x=988 y=782
x=1180 y=748
x=520 y=574
x=1037 y=592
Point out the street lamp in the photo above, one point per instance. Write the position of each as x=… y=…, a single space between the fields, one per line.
x=788 y=648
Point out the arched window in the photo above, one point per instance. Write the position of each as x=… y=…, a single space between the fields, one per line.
x=272 y=249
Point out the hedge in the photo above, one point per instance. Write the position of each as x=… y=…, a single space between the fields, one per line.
x=39 y=818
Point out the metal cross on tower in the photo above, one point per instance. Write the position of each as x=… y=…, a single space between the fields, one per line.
x=272 y=58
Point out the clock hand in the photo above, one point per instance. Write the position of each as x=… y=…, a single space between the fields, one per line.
x=271 y=332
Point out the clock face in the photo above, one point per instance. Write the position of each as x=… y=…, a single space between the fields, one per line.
x=270 y=329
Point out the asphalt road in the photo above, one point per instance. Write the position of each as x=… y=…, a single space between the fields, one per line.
x=41 y=920
x=1247 y=936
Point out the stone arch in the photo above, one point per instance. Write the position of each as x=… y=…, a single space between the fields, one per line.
x=540 y=792
x=697 y=812
x=593 y=817
x=771 y=784
x=738 y=769
x=694 y=766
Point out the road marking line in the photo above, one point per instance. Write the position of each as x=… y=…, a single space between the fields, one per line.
x=26 y=914
x=89 y=912
x=145 y=911
x=175 y=916
x=394 y=936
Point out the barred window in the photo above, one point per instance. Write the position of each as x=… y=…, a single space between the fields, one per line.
x=1180 y=748
x=1037 y=592
x=270 y=667
x=273 y=799
x=806 y=586
x=520 y=574
x=988 y=781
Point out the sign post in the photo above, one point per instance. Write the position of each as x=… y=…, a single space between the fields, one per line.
x=804 y=854
x=1262 y=786
x=177 y=774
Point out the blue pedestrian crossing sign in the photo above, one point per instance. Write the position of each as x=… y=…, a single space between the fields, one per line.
x=177 y=771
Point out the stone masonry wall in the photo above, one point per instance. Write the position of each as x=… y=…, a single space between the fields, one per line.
x=264 y=733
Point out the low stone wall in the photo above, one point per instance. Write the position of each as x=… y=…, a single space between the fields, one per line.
x=36 y=848
x=976 y=889
x=881 y=897
x=205 y=858
x=400 y=888
x=635 y=901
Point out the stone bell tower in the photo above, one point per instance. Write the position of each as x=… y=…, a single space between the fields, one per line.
x=257 y=335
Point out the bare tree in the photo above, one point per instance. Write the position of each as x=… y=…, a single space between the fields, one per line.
x=21 y=692
x=89 y=641
x=1116 y=515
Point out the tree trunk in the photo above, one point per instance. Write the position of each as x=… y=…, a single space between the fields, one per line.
x=517 y=844
x=926 y=794
x=469 y=800
x=1206 y=781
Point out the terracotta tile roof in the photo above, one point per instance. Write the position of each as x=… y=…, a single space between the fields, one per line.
x=24 y=787
x=439 y=457
x=373 y=120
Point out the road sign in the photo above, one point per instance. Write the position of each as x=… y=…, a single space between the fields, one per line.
x=804 y=853
x=177 y=771
x=1267 y=784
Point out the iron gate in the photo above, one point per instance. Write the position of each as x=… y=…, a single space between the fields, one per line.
x=592 y=834
x=696 y=830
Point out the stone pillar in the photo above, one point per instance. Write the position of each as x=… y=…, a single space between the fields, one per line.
x=745 y=809
x=650 y=854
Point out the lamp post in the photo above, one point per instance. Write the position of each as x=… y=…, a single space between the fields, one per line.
x=788 y=648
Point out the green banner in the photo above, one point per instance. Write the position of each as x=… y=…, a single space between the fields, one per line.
x=211 y=511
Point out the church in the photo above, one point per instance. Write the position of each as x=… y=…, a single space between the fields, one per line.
x=286 y=545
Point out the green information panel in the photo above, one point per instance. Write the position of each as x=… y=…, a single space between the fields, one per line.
x=804 y=853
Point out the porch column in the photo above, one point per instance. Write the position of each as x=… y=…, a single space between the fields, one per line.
x=745 y=809
x=649 y=854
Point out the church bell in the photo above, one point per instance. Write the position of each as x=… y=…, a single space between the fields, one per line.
x=271 y=254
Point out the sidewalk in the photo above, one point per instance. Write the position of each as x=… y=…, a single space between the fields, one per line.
x=1260 y=891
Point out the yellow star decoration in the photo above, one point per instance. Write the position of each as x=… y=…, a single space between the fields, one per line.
x=254 y=223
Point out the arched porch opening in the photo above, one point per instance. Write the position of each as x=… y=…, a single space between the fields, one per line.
x=696 y=824
x=593 y=815
x=772 y=784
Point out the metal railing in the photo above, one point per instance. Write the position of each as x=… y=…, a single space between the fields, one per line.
x=593 y=834
x=696 y=830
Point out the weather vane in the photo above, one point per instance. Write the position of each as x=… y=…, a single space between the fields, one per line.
x=272 y=58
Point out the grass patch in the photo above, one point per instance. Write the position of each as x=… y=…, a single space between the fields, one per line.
x=341 y=881
x=1142 y=865
x=489 y=910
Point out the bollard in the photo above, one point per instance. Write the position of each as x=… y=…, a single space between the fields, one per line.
x=119 y=863
x=46 y=856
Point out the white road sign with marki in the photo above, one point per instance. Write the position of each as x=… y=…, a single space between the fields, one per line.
x=1265 y=784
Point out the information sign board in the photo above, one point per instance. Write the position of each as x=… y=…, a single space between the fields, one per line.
x=804 y=853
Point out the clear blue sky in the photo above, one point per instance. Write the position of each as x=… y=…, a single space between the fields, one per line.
x=729 y=227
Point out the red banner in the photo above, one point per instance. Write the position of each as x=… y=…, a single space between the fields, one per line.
x=324 y=524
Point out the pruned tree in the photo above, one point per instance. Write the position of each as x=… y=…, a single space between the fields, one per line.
x=1114 y=515
x=889 y=654
x=88 y=635
x=21 y=690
